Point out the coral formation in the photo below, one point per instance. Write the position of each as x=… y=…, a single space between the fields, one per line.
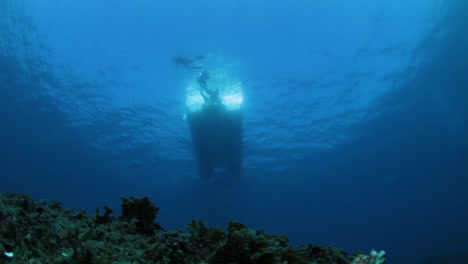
x=142 y=211
x=373 y=258
x=48 y=233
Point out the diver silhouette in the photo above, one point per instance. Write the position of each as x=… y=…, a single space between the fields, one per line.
x=188 y=63
x=209 y=95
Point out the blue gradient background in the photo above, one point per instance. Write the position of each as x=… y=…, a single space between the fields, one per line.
x=355 y=114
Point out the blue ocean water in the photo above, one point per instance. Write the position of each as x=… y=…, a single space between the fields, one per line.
x=355 y=115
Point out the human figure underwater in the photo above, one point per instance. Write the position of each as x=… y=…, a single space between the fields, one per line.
x=209 y=95
x=188 y=63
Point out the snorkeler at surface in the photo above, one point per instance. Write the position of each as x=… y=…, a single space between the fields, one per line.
x=209 y=95
x=188 y=63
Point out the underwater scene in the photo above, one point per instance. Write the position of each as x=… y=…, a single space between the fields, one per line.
x=234 y=131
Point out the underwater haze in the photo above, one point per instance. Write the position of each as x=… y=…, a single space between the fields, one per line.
x=355 y=115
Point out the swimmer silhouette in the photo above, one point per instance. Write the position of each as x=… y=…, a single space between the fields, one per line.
x=188 y=63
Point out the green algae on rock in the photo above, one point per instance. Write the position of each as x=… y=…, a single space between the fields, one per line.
x=44 y=232
x=143 y=212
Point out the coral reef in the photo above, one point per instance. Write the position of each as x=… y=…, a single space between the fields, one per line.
x=373 y=258
x=142 y=212
x=41 y=232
